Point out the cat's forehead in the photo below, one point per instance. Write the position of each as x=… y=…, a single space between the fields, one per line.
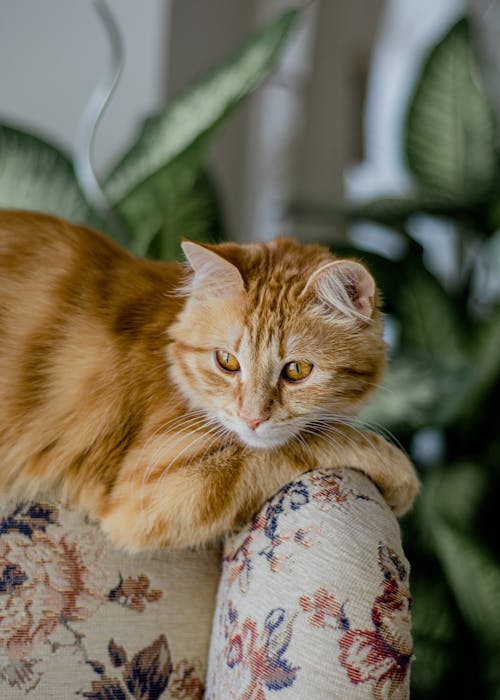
x=279 y=330
x=276 y=318
x=261 y=333
x=281 y=263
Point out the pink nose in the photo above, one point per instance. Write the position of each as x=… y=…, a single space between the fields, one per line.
x=253 y=423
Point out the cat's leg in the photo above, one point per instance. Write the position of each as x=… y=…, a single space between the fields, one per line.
x=197 y=502
x=386 y=465
x=178 y=505
x=192 y=503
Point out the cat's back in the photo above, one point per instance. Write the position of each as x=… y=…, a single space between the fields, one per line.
x=43 y=245
x=82 y=339
x=47 y=261
x=37 y=248
x=71 y=295
x=39 y=254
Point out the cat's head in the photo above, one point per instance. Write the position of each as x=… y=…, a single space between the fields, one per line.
x=276 y=338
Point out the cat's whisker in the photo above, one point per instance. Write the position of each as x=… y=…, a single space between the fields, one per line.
x=381 y=386
x=181 y=421
x=222 y=435
x=335 y=438
x=378 y=428
x=303 y=442
x=181 y=433
x=153 y=463
x=206 y=432
x=326 y=429
x=186 y=417
x=219 y=437
x=181 y=424
x=186 y=414
x=213 y=437
x=189 y=446
x=172 y=422
x=330 y=431
x=356 y=423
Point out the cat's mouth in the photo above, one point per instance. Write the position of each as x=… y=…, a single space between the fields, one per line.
x=252 y=439
x=265 y=436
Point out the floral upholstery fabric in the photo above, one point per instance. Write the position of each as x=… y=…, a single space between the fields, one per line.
x=313 y=600
x=79 y=618
x=312 y=603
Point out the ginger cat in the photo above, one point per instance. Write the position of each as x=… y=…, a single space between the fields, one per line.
x=169 y=401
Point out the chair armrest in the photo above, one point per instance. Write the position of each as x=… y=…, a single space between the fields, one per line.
x=313 y=599
x=81 y=619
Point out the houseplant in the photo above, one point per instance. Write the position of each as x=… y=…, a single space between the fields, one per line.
x=442 y=391
x=160 y=188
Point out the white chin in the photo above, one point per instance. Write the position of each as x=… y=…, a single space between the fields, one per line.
x=263 y=441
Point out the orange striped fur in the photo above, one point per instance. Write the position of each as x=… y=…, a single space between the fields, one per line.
x=111 y=396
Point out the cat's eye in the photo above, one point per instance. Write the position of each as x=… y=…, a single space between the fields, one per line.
x=227 y=361
x=296 y=370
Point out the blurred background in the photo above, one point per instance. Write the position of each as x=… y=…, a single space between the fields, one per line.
x=372 y=127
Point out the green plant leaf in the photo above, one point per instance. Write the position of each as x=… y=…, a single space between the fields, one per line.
x=181 y=201
x=416 y=392
x=450 y=134
x=38 y=176
x=193 y=117
x=456 y=492
x=486 y=374
x=395 y=211
x=429 y=320
x=450 y=500
x=487 y=355
x=474 y=576
x=435 y=371
x=433 y=627
x=387 y=211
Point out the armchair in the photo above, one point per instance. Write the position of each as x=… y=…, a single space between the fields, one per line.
x=309 y=600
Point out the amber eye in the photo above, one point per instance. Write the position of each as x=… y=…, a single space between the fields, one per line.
x=296 y=370
x=227 y=361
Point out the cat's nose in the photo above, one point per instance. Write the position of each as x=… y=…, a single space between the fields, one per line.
x=253 y=423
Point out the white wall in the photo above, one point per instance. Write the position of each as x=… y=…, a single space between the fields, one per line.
x=52 y=53
x=293 y=138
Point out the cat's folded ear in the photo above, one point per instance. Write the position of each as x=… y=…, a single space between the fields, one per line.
x=213 y=274
x=344 y=287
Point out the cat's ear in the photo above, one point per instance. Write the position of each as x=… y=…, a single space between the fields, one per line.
x=345 y=286
x=212 y=272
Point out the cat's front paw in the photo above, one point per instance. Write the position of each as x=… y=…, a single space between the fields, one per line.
x=396 y=477
x=401 y=493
